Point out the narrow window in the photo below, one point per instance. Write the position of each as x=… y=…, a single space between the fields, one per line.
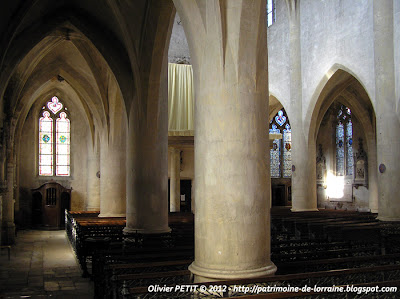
x=46 y=144
x=281 y=152
x=344 y=142
x=54 y=145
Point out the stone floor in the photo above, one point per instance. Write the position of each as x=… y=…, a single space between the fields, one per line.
x=42 y=265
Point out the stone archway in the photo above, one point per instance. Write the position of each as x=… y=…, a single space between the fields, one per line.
x=343 y=87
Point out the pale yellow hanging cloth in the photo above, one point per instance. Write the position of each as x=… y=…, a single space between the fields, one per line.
x=180 y=100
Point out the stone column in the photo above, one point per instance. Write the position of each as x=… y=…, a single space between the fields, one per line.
x=8 y=207
x=147 y=135
x=193 y=203
x=112 y=180
x=302 y=198
x=175 y=181
x=93 y=183
x=372 y=175
x=232 y=218
x=387 y=121
x=147 y=181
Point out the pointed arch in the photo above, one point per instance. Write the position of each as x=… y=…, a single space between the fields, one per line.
x=341 y=86
x=336 y=79
x=274 y=106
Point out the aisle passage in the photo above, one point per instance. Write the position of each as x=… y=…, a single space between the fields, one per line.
x=42 y=265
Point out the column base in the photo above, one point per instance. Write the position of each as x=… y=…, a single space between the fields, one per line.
x=384 y=218
x=93 y=208
x=374 y=211
x=111 y=215
x=304 y=210
x=207 y=275
x=8 y=237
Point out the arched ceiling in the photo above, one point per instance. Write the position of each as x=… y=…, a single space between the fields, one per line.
x=103 y=49
x=345 y=88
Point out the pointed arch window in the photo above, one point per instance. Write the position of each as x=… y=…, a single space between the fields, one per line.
x=281 y=152
x=54 y=139
x=344 y=142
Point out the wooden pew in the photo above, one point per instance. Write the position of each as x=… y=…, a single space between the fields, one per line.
x=107 y=264
x=337 y=263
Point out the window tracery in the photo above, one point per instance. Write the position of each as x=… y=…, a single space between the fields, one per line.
x=344 y=142
x=54 y=140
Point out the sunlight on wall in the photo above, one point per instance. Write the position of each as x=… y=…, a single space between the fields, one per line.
x=335 y=186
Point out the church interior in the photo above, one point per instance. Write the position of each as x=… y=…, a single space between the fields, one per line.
x=216 y=143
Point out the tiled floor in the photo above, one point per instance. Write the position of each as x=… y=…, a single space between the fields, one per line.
x=42 y=265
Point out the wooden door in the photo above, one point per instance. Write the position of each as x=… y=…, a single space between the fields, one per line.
x=49 y=203
x=51 y=208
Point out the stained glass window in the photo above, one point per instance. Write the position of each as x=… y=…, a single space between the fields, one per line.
x=275 y=154
x=287 y=153
x=349 y=144
x=45 y=144
x=62 y=145
x=344 y=142
x=339 y=149
x=281 y=152
x=54 y=145
x=54 y=105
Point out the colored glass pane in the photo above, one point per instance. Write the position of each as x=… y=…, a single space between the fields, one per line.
x=63 y=145
x=280 y=118
x=62 y=159
x=46 y=138
x=54 y=105
x=62 y=170
x=46 y=160
x=45 y=144
x=46 y=170
x=287 y=152
x=349 y=144
x=46 y=149
x=62 y=149
x=340 y=150
x=275 y=153
x=281 y=154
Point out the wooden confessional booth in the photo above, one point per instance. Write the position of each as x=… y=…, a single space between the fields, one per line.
x=49 y=202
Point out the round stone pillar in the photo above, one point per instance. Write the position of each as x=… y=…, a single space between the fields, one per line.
x=372 y=176
x=147 y=182
x=387 y=121
x=112 y=181
x=232 y=231
x=232 y=217
x=175 y=181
